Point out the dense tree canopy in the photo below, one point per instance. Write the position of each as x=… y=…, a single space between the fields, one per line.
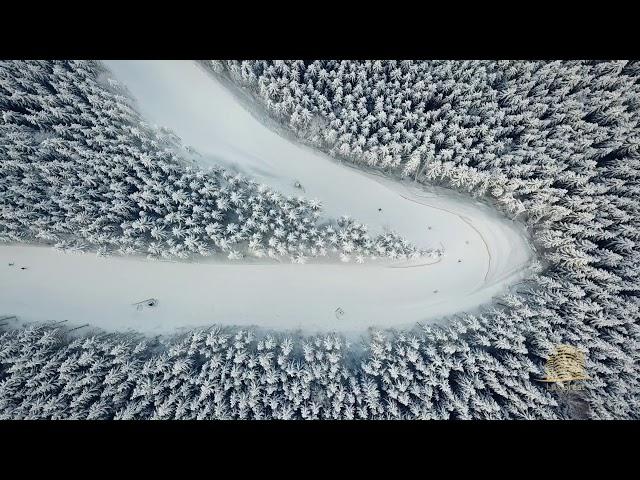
x=552 y=144
x=81 y=170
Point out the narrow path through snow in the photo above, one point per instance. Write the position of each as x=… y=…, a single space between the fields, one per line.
x=484 y=252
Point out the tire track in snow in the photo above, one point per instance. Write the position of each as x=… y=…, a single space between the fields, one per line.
x=414 y=266
x=465 y=220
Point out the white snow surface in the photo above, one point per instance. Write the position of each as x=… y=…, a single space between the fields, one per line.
x=485 y=253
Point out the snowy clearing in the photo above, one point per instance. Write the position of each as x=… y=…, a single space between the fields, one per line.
x=485 y=253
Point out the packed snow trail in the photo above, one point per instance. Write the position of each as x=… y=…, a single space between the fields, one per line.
x=484 y=252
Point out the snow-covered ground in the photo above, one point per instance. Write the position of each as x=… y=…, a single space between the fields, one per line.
x=484 y=252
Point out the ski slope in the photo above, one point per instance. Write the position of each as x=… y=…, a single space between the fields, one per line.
x=485 y=253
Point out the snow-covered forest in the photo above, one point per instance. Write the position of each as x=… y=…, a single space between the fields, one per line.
x=551 y=145
x=485 y=252
x=81 y=169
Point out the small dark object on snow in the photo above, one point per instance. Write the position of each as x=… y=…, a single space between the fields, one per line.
x=11 y=264
x=23 y=268
x=428 y=228
x=339 y=312
x=149 y=302
x=467 y=242
x=379 y=209
x=435 y=291
x=459 y=261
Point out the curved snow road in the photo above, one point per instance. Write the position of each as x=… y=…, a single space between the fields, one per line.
x=485 y=253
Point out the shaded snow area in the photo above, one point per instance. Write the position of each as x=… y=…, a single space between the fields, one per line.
x=484 y=253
